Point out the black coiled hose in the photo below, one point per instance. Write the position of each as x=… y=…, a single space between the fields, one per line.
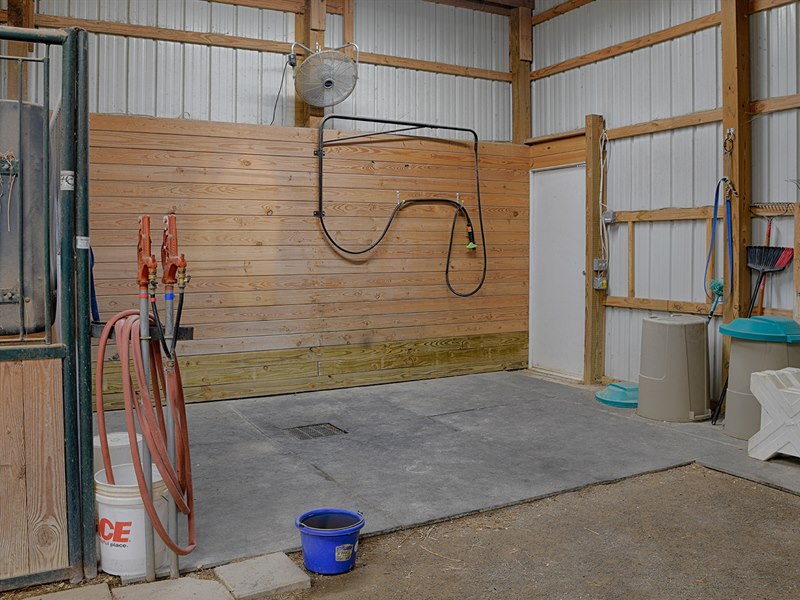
x=320 y=212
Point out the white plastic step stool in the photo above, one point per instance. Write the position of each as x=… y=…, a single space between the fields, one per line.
x=778 y=392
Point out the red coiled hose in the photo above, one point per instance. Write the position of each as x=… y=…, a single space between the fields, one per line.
x=167 y=377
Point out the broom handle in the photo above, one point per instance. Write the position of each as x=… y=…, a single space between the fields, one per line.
x=763 y=286
x=759 y=281
x=718 y=409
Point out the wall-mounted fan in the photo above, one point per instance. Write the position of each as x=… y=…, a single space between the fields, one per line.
x=324 y=77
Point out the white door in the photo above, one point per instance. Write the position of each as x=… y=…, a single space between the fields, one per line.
x=557 y=264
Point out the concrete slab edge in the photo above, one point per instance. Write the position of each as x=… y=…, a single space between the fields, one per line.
x=747 y=477
x=401 y=527
x=577 y=488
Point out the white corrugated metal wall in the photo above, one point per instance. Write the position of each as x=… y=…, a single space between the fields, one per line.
x=670 y=169
x=435 y=32
x=168 y=79
x=774 y=64
x=669 y=79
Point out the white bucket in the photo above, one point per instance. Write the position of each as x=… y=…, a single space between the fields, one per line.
x=121 y=521
x=119 y=449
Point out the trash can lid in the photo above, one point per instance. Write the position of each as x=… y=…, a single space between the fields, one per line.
x=620 y=394
x=763 y=329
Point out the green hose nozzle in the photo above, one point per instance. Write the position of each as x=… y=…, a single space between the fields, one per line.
x=717 y=287
x=471 y=245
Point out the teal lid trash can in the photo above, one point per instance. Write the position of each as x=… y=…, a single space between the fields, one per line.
x=757 y=344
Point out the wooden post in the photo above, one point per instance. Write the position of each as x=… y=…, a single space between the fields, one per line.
x=631 y=259
x=520 y=58
x=735 y=104
x=312 y=24
x=348 y=29
x=20 y=14
x=595 y=333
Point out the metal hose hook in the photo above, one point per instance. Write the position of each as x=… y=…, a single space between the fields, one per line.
x=406 y=126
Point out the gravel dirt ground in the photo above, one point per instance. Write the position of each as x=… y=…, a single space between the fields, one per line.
x=686 y=533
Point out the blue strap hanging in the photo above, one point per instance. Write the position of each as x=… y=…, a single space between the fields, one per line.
x=729 y=224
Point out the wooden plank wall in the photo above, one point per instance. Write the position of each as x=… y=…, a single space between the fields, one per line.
x=33 y=519
x=275 y=308
x=558 y=151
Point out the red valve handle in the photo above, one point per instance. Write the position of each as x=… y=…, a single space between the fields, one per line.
x=146 y=264
x=171 y=261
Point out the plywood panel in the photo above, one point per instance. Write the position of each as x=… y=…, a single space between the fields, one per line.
x=44 y=450
x=266 y=280
x=13 y=534
x=33 y=532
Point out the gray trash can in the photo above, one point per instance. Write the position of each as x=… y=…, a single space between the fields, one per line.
x=757 y=344
x=673 y=372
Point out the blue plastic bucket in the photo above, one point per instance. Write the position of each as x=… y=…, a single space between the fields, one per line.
x=329 y=537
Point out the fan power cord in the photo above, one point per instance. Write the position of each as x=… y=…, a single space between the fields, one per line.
x=280 y=87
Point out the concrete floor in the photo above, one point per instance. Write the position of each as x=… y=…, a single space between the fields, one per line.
x=423 y=451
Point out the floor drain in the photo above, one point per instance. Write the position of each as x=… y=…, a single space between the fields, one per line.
x=307 y=432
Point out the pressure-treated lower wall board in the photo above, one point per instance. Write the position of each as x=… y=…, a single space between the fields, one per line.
x=33 y=523
x=267 y=282
x=238 y=375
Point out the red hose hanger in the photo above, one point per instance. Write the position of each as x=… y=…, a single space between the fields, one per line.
x=165 y=380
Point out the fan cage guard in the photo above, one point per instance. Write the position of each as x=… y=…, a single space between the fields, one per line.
x=326 y=77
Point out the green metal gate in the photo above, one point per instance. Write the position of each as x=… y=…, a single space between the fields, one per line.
x=38 y=291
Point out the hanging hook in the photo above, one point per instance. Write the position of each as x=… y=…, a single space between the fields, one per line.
x=727 y=144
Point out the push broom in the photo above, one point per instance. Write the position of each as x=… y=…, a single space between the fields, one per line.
x=762 y=260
